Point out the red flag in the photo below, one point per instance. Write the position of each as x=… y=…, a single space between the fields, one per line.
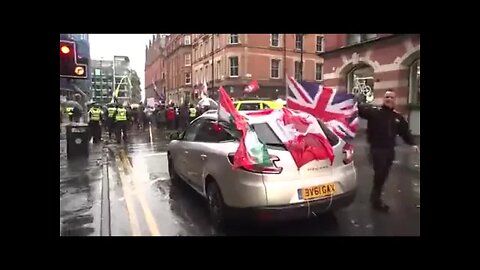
x=304 y=138
x=252 y=87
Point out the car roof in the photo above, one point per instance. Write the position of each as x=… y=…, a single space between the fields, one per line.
x=252 y=101
x=213 y=115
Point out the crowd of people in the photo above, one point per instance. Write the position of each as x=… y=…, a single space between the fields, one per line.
x=169 y=117
x=116 y=119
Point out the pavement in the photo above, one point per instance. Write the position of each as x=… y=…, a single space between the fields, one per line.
x=139 y=199
x=80 y=197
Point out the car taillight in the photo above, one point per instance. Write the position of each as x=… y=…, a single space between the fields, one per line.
x=259 y=169
x=347 y=154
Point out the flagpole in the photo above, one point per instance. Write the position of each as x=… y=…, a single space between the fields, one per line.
x=285 y=64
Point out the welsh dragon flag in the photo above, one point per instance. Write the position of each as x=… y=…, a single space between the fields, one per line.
x=250 y=152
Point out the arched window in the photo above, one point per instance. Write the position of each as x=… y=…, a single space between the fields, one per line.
x=414 y=83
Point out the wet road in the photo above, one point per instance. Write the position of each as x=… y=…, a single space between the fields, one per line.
x=143 y=202
x=80 y=198
x=142 y=192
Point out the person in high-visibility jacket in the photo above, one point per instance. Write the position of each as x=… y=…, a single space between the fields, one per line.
x=121 y=123
x=95 y=115
x=192 y=112
x=69 y=112
x=110 y=119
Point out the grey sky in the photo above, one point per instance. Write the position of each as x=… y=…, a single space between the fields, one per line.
x=131 y=45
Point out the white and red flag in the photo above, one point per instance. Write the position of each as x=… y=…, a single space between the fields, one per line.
x=301 y=134
x=252 y=87
x=251 y=151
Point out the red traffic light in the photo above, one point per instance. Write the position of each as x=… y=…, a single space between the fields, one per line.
x=65 y=49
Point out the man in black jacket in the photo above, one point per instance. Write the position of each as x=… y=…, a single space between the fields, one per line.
x=384 y=124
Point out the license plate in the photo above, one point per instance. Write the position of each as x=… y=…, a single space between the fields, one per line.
x=316 y=192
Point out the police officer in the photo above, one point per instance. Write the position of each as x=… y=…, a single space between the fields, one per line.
x=121 y=122
x=69 y=112
x=110 y=119
x=384 y=124
x=192 y=112
x=95 y=115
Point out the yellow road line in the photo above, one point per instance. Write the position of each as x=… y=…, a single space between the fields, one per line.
x=132 y=215
x=151 y=137
x=149 y=218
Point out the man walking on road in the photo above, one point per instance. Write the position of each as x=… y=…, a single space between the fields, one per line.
x=110 y=119
x=121 y=123
x=95 y=114
x=192 y=113
x=384 y=124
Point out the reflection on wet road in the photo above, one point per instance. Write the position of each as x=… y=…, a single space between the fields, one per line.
x=80 y=182
x=144 y=202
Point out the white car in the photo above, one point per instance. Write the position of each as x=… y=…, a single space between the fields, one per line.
x=202 y=156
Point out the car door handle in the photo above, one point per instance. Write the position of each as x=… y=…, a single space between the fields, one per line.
x=203 y=156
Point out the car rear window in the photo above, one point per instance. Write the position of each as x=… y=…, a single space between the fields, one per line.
x=332 y=137
x=249 y=107
x=267 y=136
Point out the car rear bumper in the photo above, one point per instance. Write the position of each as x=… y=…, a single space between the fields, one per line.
x=293 y=211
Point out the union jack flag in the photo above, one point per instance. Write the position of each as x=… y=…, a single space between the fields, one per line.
x=338 y=110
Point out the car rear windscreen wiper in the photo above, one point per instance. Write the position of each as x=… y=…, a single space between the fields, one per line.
x=277 y=145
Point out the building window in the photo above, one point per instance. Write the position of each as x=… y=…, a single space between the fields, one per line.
x=201 y=76
x=188 y=59
x=360 y=81
x=357 y=38
x=414 y=83
x=187 y=40
x=275 y=40
x=233 y=39
x=207 y=74
x=318 y=71
x=201 y=50
x=217 y=40
x=275 y=68
x=298 y=41
x=188 y=78
x=218 y=69
x=319 y=47
x=207 y=47
x=233 y=66
x=297 y=71
x=353 y=38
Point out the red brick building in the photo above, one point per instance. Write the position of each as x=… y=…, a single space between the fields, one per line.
x=381 y=61
x=168 y=64
x=155 y=67
x=178 y=63
x=239 y=58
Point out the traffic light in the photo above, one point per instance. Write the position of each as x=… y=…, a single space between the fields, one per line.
x=69 y=68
